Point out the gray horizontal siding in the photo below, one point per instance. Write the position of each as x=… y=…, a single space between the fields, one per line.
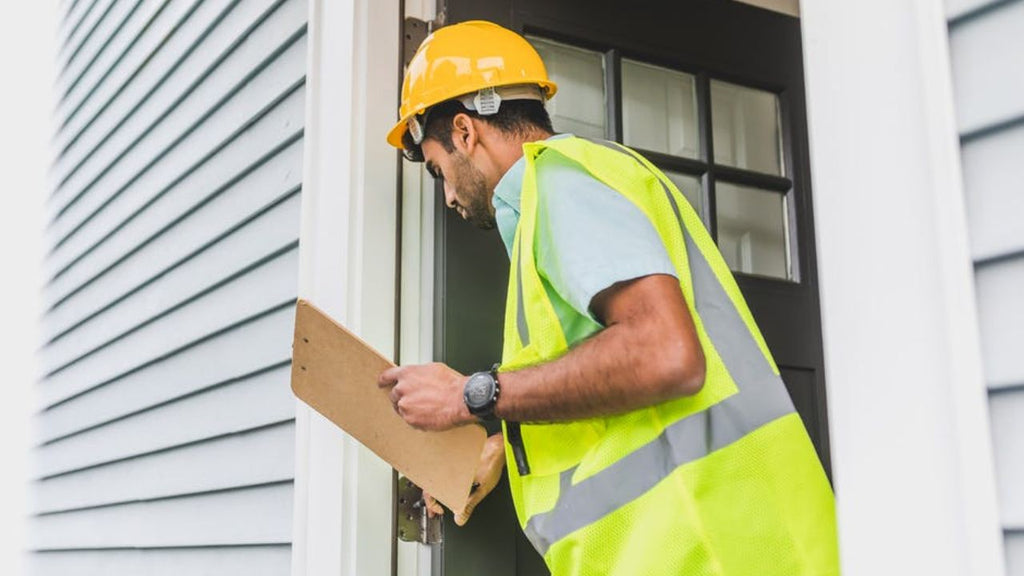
x=986 y=47
x=122 y=24
x=1000 y=287
x=187 y=264
x=213 y=413
x=988 y=78
x=245 y=515
x=1015 y=552
x=212 y=462
x=179 y=140
x=81 y=32
x=959 y=8
x=995 y=205
x=259 y=343
x=265 y=560
x=159 y=45
x=165 y=431
x=149 y=245
x=1006 y=410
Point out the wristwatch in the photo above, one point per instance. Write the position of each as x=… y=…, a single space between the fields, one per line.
x=481 y=393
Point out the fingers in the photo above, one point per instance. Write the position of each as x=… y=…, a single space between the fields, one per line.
x=433 y=507
x=389 y=377
x=462 y=517
x=492 y=463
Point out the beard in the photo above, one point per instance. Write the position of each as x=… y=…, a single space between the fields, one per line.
x=471 y=186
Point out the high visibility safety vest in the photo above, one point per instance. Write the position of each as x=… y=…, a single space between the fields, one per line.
x=724 y=482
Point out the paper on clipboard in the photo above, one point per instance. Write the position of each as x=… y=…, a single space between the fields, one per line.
x=335 y=372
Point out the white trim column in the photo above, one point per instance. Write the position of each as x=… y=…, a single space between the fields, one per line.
x=343 y=493
x=909 y=431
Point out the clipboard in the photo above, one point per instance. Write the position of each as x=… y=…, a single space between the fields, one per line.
x=335 y=373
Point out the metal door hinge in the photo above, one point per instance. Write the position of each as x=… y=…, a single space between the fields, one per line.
x=414 y=524
x=414 y=31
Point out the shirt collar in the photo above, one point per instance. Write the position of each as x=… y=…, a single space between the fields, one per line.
x=509 y=187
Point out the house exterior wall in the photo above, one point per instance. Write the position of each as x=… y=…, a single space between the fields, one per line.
x=908 y=414
x=987 y=49
x=165 y=432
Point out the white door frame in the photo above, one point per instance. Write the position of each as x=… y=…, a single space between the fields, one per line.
x=911 y=452
x=343 y=493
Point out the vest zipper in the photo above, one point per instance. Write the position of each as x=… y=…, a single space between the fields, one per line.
x=515 y=439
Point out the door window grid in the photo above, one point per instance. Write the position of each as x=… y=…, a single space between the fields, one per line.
x=697 y=113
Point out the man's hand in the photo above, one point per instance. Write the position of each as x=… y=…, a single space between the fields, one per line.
x=488 y=474
x=427 y=396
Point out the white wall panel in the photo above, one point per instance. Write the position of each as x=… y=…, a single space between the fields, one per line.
x=245 y=516
x=250 y=561
x=250 y=403
x=994 y=177
x=988 y=77
x=1008 y=442
x=199 y=467
x=231 y=354
x=1001 y=314
x=343 y=524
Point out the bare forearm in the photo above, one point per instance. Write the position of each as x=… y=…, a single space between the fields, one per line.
x=649 y=353
x=615 y=371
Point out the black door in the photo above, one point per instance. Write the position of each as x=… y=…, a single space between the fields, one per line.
x=711 y=91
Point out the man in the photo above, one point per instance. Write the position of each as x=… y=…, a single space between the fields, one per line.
x=646 y=429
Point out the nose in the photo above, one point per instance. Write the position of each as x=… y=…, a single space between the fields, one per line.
x=449 y=195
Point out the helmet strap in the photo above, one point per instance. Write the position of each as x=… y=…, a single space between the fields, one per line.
x=487 y=102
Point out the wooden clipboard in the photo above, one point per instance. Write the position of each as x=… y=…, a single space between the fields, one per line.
x=335 y=372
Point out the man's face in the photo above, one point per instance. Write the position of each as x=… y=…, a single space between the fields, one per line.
x=465 y=186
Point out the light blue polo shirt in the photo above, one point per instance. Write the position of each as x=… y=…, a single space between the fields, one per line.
x=588 y=235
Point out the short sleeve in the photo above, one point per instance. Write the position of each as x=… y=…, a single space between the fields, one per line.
x=589 y=235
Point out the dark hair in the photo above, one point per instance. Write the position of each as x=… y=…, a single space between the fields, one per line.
x=514 y=118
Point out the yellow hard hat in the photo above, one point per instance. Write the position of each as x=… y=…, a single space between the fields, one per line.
x=478 y=60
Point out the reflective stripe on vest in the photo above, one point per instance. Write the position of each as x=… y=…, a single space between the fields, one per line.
x=761 y=399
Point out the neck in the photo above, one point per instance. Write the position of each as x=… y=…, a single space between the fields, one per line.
x=512 y=153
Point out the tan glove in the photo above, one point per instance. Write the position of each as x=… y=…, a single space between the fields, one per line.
x=488 y=474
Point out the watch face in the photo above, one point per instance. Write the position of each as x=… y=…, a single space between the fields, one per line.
x=479 y=390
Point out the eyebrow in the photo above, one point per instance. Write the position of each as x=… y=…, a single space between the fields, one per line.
x=432 y=169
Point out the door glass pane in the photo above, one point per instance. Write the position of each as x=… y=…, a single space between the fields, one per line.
x=579 y=105
x=659 y=109
x=753 y=230
x=689 y=186
x=746 y=128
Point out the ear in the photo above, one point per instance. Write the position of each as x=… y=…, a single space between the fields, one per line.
x=465 y=133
